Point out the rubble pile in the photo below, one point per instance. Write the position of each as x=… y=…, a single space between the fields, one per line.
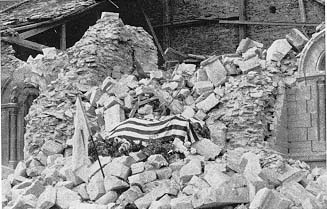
x=230 y=167
x=241 y=178
x=109 y=48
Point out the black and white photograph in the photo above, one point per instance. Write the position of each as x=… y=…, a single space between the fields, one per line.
x=163 y=104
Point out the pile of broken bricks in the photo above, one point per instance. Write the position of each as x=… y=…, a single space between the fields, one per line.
x=241 y=178
x=233 y=95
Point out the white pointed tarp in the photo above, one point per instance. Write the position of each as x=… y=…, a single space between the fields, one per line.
x=80 y=138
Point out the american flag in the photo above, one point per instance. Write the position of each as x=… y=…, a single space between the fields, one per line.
x=144 y=130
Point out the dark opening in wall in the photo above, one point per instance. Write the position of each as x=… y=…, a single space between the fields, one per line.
x=272 y=9
x=75 y=29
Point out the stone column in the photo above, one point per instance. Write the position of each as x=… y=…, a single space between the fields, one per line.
x=13 y=136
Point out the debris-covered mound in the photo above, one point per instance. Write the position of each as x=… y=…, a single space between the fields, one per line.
x=240 y=178
x=226 y=101
x=109 y=48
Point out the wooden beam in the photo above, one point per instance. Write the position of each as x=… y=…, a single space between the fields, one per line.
x=151 y=30
x=63 y=37
x=59 y=20
x=24 y=43
x=14 y=6
x=235 y=22
x=321 y=2
x=241 y=13
x=302 y=11
x=166 y=19
x=33 y=32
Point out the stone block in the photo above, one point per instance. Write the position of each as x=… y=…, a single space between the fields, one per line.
x=130 y=195
x=296 y=147
x=189 y=170
x=52 y=176
x=95 y=95
x=183 y=202
x=322 y=181
x=65 y=197
x=319 y=146
x=200 y=115
x=295 y=192
x=67 y=184
x=278 y=49
x=47 y=199
x=109 y=197
x=253 y=64
x=20 y=169
x=51 y=147
x=142 y=178
x=215 y=70
x=299 y=121
x=49 y=53
x=214 y=176
x=290 y=173
x=297 y=39
x=138 y=156
x=163 y=187
x=164 y=173
x=157 y=161
x=78 y=205
x=81 y=190
x=201 y=87
x=298 y=134
x=204 y=198
x=310 y=204
x=137 y=167
x=117 y=169
x=24 y=201
x=207 y=148
x=95 y=188
x=234 y=191
x=269 y=199
x=314 y=188
x=112 y=183
x=125 y=160
x=270 y=175
x=208 y=103
x=246 y=44
x=188 y=112
x=162 y=203
x=113 y=116
x=52 y=159
x=36 y=189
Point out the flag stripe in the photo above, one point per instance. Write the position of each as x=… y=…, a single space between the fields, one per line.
x=144 y=130
x=147 y=123
x=132 y=124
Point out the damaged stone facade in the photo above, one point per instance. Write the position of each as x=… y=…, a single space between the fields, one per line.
x=86 y=65
x=243 y=99
x=201 y=39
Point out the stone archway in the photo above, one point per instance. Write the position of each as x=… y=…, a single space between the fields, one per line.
x=306 y=105
x=16 y=99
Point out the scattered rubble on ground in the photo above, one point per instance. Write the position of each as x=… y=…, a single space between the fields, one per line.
x=229 y=99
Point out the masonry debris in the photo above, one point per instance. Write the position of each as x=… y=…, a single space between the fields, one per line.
x=193 y=136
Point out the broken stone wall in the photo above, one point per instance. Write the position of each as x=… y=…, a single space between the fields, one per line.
x=305 y=109
x=223 y=38
x=109 y=48
x=206 y=39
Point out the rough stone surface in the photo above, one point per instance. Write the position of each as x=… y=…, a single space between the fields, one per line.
x=190 y=169
x=65 y=197
x=113 y=183
x=47 y=199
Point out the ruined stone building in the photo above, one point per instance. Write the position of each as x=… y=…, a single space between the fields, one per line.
x=141 y=104
x=205 y=27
